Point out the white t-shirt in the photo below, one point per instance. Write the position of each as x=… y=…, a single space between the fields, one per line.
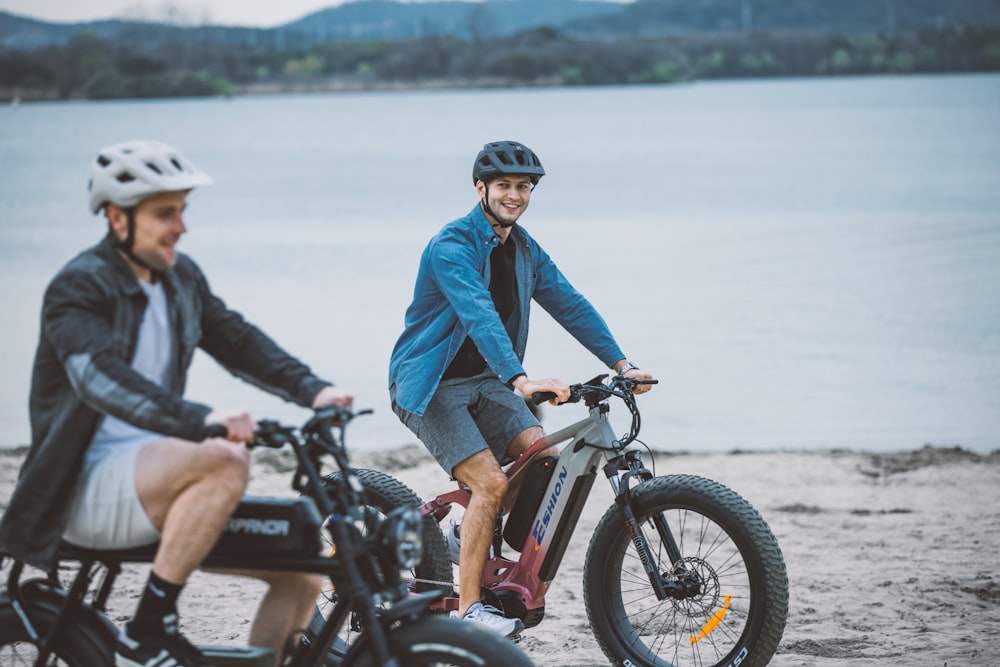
x=154 y=355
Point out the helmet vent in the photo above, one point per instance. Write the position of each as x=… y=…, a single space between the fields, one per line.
x=127 y=173
x=506 y=157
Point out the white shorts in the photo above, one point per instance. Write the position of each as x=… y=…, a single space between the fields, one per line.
x=106 y=512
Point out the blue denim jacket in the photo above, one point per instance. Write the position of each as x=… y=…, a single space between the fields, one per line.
x=451 y=300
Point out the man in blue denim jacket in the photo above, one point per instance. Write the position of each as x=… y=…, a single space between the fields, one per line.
x=456 y=365
x=118 y=457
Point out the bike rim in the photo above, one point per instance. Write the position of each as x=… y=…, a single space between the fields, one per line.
x=704 y=628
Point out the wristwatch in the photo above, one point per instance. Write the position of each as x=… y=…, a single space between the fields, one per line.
x=626 y=367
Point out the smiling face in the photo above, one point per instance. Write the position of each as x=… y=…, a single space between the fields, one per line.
x=158 y=227
x=506 y=198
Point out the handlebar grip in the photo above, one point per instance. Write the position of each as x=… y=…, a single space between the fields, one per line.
x=540 y=397
x=216 y=431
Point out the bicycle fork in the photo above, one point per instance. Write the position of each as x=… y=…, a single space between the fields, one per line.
x=632 y=466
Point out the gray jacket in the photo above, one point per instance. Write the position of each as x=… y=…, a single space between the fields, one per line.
x=89 y=329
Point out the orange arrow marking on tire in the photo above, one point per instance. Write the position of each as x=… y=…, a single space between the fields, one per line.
x=714 y=621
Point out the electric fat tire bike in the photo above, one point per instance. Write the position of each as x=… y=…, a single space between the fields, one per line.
x=681 y=571
x=43 y=622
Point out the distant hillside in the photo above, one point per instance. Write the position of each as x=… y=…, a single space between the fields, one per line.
x=656 y=18
x=379 y=44
x=364 y=20
x=385 y=19
x=368 y=20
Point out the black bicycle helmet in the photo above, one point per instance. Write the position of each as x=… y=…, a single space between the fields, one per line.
x=506 y=157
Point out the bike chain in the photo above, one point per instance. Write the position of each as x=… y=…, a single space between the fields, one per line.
x=439 y=584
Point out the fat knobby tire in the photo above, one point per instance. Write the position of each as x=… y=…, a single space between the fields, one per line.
x=741 y=523
x=434 y=640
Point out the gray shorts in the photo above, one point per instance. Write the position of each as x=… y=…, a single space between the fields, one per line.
x=106 y=512
x=466 y=416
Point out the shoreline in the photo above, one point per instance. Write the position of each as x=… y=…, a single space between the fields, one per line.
x=17 y=97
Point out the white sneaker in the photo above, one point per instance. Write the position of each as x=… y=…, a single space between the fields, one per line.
x=490 y=618
x=454 y=541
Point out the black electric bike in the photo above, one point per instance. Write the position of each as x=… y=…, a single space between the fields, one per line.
x=44 y=622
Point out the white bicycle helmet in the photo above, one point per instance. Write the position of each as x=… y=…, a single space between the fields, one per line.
x=127 y=173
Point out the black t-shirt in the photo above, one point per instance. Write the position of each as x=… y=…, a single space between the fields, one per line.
x=503 y=289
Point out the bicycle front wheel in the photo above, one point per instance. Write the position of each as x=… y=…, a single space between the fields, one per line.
x=728 y=594
x=442 y=642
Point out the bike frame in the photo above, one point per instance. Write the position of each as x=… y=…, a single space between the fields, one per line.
x=588 y=442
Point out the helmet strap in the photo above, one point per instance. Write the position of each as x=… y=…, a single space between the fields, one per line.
x=126 y=244
x=485 y=205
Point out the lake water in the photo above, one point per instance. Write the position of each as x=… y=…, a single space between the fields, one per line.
x=803 y=263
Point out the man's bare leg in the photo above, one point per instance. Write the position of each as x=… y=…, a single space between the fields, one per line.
x=287 y=606
x=189 y=490
x=482 y=474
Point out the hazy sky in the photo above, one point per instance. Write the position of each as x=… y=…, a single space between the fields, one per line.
x=227 y=12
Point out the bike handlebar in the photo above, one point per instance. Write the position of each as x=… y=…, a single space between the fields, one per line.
x=215 y=431
x=593 y=387
x=274 y=435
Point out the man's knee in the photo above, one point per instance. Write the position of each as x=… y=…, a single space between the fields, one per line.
x=482 y=474
x=491 y=484
x=225 y=463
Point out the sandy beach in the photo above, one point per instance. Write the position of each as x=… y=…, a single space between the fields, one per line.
x=892 y=558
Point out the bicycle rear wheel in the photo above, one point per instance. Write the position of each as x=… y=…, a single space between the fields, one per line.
x=443 y=642
x=732 y=586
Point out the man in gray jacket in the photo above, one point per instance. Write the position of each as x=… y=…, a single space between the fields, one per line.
x=118 y=457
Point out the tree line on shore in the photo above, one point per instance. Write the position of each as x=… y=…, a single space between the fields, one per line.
x=89 y=67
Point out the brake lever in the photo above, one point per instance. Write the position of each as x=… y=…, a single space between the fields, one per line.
x=270 y=434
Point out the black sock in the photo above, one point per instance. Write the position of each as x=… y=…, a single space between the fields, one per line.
x=157 y=611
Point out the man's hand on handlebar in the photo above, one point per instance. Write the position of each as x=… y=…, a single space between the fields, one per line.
x=557 y=388
x=639 y=374
x=238 y=424
x=331 y=395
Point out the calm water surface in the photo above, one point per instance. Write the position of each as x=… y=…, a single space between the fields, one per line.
x=803 y=263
